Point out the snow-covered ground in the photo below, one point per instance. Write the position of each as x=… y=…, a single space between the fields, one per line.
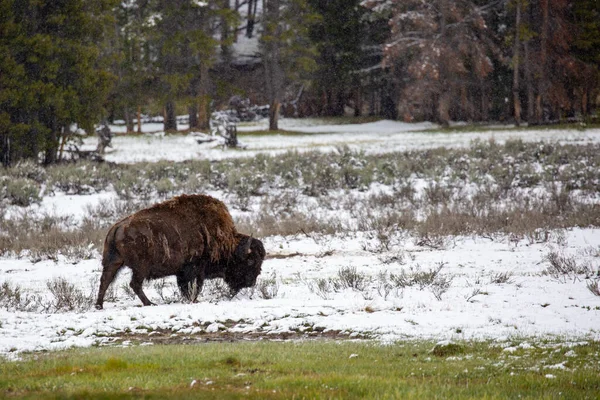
x=478 y=303
x=373 y=138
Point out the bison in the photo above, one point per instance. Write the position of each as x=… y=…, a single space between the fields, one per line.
x=190 y=236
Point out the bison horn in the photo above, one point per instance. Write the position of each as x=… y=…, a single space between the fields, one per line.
x=247 y=249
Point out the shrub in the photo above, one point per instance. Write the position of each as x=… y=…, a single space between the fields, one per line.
x=264 y=223
x=436 y=194
x=216 y=289
x=562 y=266
x=321 y=287
x=384 y=230
x=384 y=287
x=127 y=290
x=349 y=277
x=27 y=169
x=440 y=285
x=278 y=184
x=243 y=185
x=396 y=257
x=320 y=179
x=354 y=169
x=164 y=187
x=267 y=288
x=12 y=296
x=41 y=237
x=418 y=277
x=20 y=192
x=167 y=291
x=79 y=252
x=67 y=296
x=474 y=292
x=501 y=277
x=593 y=286
x=80 y=178
x=132 y=185
x=160 y=170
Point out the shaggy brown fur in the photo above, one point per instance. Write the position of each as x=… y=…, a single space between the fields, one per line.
x=191 y=236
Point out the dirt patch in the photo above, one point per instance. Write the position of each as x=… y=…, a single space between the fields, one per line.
x=280 y=256
x=170 y=337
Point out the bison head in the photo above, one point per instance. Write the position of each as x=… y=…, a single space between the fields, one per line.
x=244 y=266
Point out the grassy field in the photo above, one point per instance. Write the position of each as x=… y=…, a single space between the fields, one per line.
x=315 y=369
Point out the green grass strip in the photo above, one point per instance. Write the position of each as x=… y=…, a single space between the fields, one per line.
x=316 y=369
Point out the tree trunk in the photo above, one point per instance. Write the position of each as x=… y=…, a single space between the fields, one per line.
x=170 y=122
x=203 y=98
x=542 y=83
x=340 y=102
x=225 y=47
x=51 y=147
x=484 y=115
x=272 y=60
x=530 y=90
x=389 y=108
x=464 y=104
x=252 y=4
x=52 y=137
x=357 y=101
x=444 y=109
x=66 y=134
x=236 y=8
x=274 y=116
x=193 y=115
x=539 y=109
x=5 y=148
x=516 y=62
x=335 y=101
x=128 y=120
x=203 y=113
x=29 y=147
x=139 y=119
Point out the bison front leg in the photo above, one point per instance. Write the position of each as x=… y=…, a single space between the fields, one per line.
x=190 y=289
x=136 y=284
x=190 y=280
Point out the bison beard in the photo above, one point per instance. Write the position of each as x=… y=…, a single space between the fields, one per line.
x=190 y=236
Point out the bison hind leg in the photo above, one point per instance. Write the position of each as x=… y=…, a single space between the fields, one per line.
x=109 y=271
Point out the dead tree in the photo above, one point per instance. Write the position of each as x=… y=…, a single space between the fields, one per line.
x=104 y=139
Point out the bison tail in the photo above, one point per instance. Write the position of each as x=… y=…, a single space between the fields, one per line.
x=111 y=264
x=111 y=255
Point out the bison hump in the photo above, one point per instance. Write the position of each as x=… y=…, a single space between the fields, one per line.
x=187 y=224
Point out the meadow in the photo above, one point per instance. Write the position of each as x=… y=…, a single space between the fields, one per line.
x=322 y=369
x=382 y=241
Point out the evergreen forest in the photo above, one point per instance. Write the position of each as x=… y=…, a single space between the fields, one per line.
x=70 y=65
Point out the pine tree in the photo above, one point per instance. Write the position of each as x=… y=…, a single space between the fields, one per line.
x=286 y=51
x=50 y=74
x=553 y=80
x=128 y=48
x=586 y=17
x=548 y=53
x=586 y=48
x=184 y=42
x=340 y=39
x=445 y=47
